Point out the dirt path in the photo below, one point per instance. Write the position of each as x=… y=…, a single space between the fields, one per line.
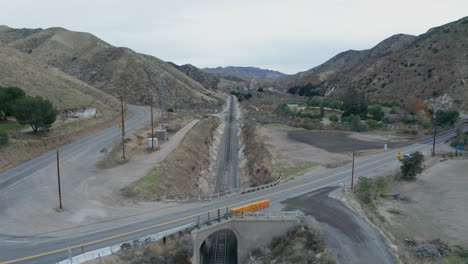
x=351 y=238
x=106 y=186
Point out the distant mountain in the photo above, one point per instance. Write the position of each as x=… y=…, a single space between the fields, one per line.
x=39 y=79
x=246 y=73
x=208 y=80
x=117 y=71
x=432 y=66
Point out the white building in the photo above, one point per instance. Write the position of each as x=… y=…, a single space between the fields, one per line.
x=87 y=112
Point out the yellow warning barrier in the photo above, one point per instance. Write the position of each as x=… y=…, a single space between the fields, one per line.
x=250 y=207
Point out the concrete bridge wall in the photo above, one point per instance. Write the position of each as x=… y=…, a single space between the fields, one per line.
x=250 y=233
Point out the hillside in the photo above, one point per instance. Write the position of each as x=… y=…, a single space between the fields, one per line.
x=116 y=71
x=433 y=67
x=349 y=59
x=37 y=78
x=246 y=73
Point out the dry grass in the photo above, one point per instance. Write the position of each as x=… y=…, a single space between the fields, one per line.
x=136 y=142
x=179 y=172
x=30 y=145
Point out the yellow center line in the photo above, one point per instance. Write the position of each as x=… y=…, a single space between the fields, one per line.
x=195 y=215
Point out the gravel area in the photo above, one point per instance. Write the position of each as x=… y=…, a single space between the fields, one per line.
x=349 y=236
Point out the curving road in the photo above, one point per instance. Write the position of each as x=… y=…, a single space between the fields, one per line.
x=54 y=249
x=16 y=175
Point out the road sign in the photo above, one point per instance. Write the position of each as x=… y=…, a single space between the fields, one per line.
x=139 y=118
x=120 y=127
x=398 y=154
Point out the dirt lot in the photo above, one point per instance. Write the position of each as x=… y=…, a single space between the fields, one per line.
x=436 y=206
x=349 y=236
x=296 y=151
x=341 y=141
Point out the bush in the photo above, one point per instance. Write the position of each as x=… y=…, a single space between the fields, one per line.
x=372 y=123
x=260 y=90
x=411 y=165
x=171 y=110
x=334 y=118
x=364 y=189
x=3 y=138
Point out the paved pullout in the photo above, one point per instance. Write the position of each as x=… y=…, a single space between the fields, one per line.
x=348 y=235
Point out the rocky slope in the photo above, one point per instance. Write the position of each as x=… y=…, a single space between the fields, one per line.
x=117 y=71
x=432 y=66
x=246 y=73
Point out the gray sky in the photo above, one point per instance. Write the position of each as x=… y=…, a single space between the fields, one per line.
x=284 y=35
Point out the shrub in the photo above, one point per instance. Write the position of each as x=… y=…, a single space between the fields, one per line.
x=411 y=165
x=372 y=123
x=3 y=138
x=364 y=189
x=334 y=118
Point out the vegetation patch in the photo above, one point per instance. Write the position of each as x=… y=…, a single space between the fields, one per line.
x=303 y=244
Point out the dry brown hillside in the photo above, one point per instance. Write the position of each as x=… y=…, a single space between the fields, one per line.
x=37 y=78
x=114 y=70
x=433 y=67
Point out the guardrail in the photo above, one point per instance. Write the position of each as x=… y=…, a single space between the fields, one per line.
x=210 y=197
x=205 y=220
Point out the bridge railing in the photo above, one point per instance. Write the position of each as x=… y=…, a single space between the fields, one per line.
x=210 y=197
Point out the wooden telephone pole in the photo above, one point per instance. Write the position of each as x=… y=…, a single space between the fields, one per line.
x=352 y=174
x=59 y=185
x=123 y=127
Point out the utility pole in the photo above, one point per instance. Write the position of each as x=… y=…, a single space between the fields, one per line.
x=58 y=178
x=152 y=127
x=435 y=133
x=175 y=100
x=352 y=174
x=123 y=127
x=161 y=97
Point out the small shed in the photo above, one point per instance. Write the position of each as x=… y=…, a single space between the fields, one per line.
x=86 y=112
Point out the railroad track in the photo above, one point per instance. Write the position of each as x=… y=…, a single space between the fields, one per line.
x=221 y=252
x=226 y=178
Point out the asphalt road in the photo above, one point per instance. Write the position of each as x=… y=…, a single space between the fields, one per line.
x=42 y=250
x=22 y=172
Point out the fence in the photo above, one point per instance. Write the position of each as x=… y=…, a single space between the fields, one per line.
x=210 y=197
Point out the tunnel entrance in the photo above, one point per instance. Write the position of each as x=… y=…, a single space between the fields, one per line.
x=219 y=248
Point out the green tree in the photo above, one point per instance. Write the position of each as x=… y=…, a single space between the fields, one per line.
x=377 y=112
x=8 y=97
x=411 y=165
x=444 y=117
x=3 y=138
x=354 y=103
x=35 y=111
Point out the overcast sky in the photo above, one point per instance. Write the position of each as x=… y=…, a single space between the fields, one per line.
x=284 y=35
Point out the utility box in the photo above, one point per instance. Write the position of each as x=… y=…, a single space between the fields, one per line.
x=161 y=135
x=152 y=141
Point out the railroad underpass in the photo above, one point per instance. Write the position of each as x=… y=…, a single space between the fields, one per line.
x=231 y=241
